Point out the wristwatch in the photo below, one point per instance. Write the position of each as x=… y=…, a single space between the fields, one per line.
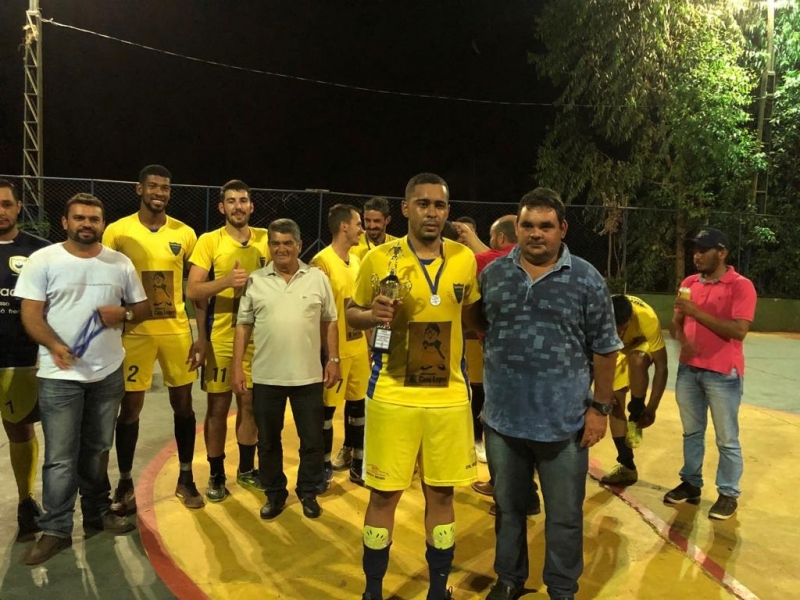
x=334 y=359
x=129 y=315
x=604 y=408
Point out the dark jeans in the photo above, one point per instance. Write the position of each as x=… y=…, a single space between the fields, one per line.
x=269 y=407
x=78 y=423
x=562 y=468
x=478 y=398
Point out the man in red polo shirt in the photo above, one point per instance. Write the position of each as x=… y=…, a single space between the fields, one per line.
x=712 y=316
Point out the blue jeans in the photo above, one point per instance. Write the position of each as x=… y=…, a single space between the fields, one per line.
x=78 y=422
x=697 y=391
x=562 y=468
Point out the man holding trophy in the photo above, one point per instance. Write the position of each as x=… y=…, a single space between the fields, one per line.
x=414 y=292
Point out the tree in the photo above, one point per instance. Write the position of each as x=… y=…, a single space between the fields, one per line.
x=652 y=115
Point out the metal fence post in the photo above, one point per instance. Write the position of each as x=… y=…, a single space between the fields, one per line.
x=91 y=187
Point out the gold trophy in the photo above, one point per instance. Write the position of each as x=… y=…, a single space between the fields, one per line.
x=394 y=289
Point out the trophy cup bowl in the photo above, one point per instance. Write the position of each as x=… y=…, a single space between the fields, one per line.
x=394 y=289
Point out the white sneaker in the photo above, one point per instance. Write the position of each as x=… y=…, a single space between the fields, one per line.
x=480 y=450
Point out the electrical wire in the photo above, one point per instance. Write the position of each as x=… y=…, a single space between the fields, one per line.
x=298 y=77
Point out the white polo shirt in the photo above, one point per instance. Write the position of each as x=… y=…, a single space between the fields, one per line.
x=286 y=320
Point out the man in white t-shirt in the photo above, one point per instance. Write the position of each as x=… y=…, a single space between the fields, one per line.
x=75 y=298
x=285 y=307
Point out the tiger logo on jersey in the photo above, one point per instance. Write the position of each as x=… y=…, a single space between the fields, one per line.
x=15 y=263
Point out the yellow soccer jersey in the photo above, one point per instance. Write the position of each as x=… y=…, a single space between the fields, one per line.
x=352 y=342
x=364 y=245
x=159 y=258
x=425 y=365
x=644 y=326
x=216 y=252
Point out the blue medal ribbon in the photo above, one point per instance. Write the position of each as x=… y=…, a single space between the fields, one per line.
x=90 y=330
x=432 y=284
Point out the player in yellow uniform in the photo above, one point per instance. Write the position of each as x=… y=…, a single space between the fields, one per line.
x=221 y=263
x=376 y=217
x=341 y=267
x=417 y=414
x=640 y=331
x=159 y=247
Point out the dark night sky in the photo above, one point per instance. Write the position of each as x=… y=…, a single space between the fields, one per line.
x=111 y=108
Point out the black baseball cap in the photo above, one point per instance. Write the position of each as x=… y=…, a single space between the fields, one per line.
x=708 y=237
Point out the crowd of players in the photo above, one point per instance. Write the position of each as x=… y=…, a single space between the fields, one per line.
x=272 y=328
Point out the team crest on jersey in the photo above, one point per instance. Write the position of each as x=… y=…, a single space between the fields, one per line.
x=175 y=247
x=458 y=290
x=15 y=263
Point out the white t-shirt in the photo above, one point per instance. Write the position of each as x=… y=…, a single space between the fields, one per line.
x=286 y=321
x=72 y=289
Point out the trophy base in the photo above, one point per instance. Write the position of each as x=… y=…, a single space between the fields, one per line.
x=381 y=340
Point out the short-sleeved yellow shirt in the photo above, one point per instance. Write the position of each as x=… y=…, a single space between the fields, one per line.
x=425 y=365
x=364 y=245
x=644 y=327
x=160 y=258
x=217 y=252
x=352 y=342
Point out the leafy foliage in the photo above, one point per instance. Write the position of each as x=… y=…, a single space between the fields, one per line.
x=653 y=114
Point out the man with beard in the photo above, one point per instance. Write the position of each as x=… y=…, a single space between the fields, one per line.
x=417 y=416
x=221 y=264
x=76 y=296
x=376 y=217
x=712 y=316
x=159 y=247
x=18 y=405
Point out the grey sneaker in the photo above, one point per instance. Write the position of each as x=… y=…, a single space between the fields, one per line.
x=123 y=502
x=724 y=508
x=685 y=492
x=250 y=480
x=343 y=459
x=216 y=490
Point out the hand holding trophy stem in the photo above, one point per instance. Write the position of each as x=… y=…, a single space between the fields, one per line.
x=389 y=291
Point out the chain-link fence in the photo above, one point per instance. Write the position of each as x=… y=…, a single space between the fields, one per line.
x=635 y=249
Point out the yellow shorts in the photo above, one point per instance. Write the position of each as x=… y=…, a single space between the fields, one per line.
x=474 y=352
x=141 y=352
x=216 y=377
x=355 y=371
x=622 y=379
x=397 y=437
x=19 y=395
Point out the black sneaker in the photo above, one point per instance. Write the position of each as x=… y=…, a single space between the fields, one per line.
x=502 y=591
x=28 y=513
x=311 y=507
x=724 y=508
x=272 y=508
x=685 y=492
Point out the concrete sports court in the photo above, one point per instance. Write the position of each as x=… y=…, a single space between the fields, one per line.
x=635 y=546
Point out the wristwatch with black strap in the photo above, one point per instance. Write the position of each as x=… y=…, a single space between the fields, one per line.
x=604 y=408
